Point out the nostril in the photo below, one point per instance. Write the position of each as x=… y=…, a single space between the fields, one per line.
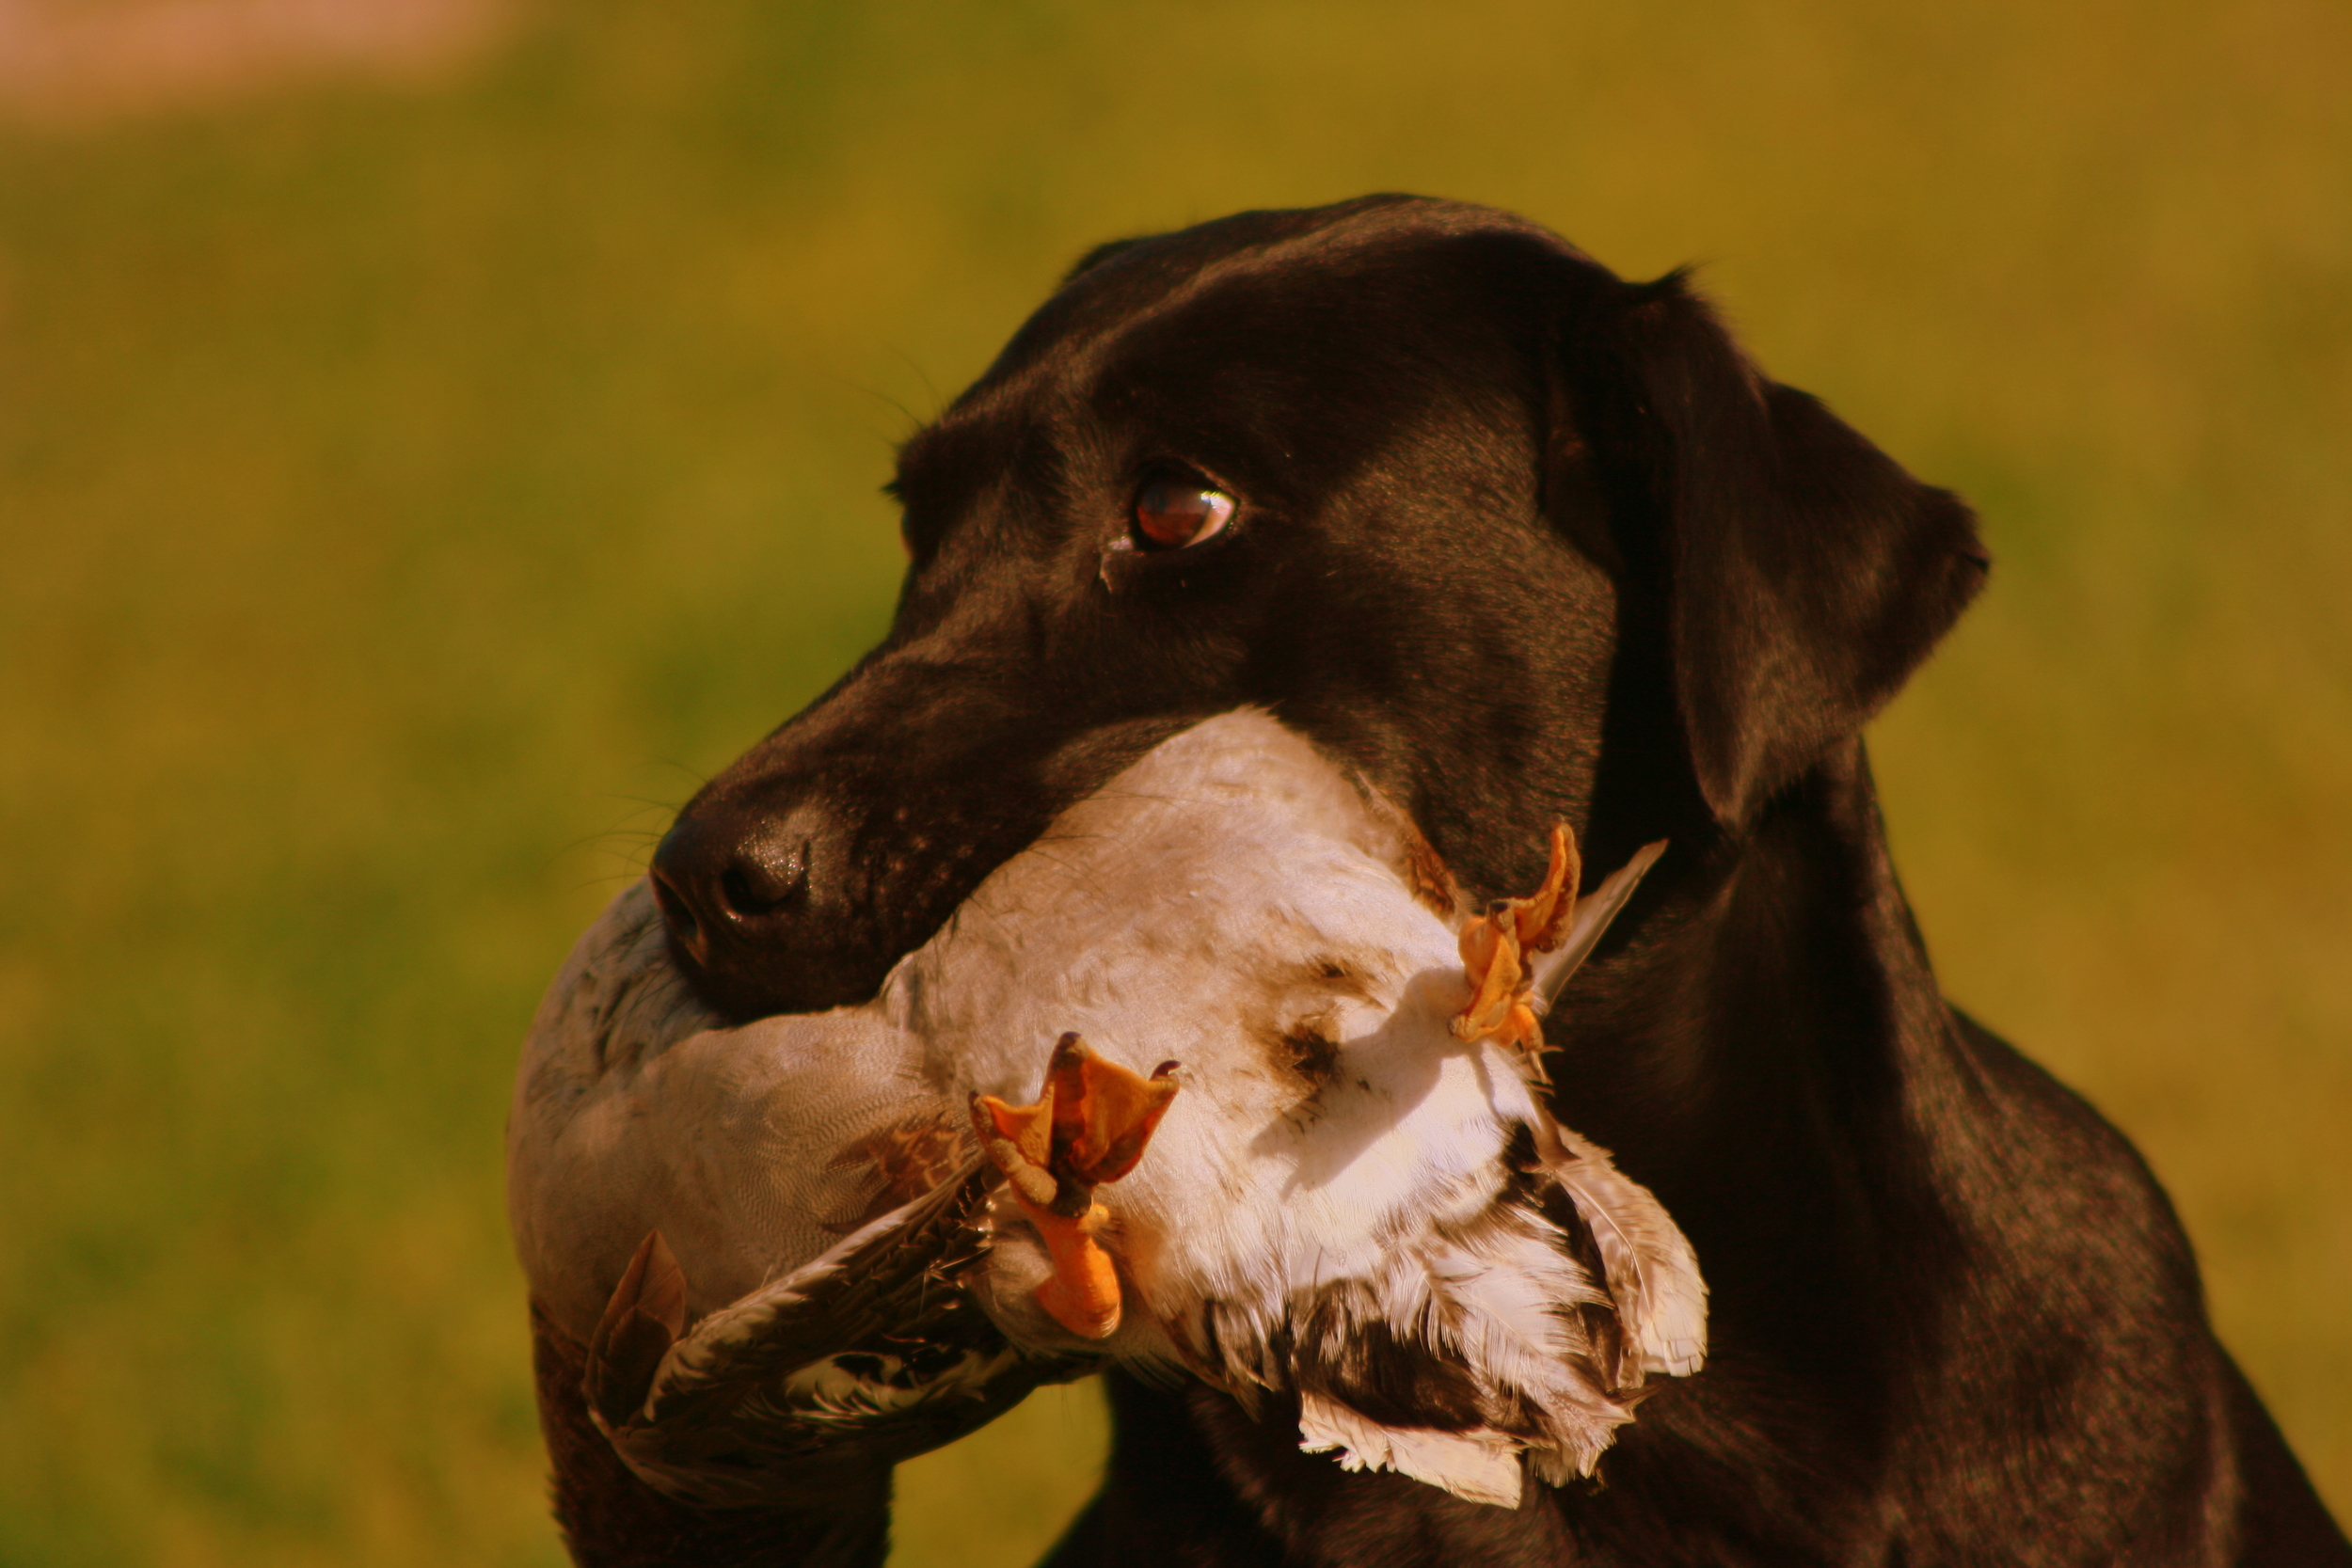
x=764 y=877
x=740 y=888
x=677 y=913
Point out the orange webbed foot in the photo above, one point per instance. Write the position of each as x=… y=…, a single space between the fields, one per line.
x=1542 y=918
x=1495 y=948
x=1089 y=1126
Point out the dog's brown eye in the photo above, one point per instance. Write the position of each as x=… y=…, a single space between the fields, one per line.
x=1172 y=513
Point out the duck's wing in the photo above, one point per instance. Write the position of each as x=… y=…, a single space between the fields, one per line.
x=872 y=1350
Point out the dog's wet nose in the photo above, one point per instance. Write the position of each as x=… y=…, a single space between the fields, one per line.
x=732 y=890
x=769 y=903
x=765 y=875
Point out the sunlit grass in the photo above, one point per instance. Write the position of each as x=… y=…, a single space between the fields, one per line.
x=404 y=498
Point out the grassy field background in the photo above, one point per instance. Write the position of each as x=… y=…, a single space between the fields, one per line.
x=408 y=488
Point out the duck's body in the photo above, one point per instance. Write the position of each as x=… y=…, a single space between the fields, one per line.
x=1346 y=1202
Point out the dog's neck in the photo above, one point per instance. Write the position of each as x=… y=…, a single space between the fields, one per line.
x=1767 y=1053
x=1779 y=976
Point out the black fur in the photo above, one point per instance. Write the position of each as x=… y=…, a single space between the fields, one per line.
x=1522 y=540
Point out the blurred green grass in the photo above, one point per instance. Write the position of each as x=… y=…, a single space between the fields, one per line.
x=405 y=496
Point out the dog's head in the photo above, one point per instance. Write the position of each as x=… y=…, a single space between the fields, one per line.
x=1512 y=537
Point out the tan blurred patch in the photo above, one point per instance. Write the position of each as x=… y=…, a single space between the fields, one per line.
x=66 y=64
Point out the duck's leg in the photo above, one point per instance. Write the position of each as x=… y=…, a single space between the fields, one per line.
x=1496 y=947
x=1492 y=958
x=1500 y=949
x=1089 y=1126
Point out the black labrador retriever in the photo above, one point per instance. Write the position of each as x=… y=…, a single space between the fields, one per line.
x=1520 y=541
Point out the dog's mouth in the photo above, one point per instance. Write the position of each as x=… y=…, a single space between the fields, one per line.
x=797 y=879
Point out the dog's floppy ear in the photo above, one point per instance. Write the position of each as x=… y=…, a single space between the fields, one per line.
x=1804 y=574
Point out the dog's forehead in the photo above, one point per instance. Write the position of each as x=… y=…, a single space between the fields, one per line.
x=1258 y=332
x=1333 y=253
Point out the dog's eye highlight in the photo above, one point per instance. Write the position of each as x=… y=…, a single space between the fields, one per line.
x=1172 y=513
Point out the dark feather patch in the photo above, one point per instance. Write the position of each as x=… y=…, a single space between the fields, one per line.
x=1384 y=1378
x=1425 y=873
x=643 y=1320
x=1314 y=1055
x=902 y=1162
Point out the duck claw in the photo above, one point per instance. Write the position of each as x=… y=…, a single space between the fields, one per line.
x=1594 y=914
x=1089 y=1126
x=1542 y=918
x=1498 y=949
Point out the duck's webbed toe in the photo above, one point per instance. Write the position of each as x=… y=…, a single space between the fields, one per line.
x=1089 y=1126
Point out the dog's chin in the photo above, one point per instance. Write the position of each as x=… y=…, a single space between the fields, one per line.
x=822 y=969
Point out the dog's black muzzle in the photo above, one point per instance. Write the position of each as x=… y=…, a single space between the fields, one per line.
x=736 y=893
x=795 y=879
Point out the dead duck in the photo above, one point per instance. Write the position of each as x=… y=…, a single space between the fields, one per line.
x=1216 y=1080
